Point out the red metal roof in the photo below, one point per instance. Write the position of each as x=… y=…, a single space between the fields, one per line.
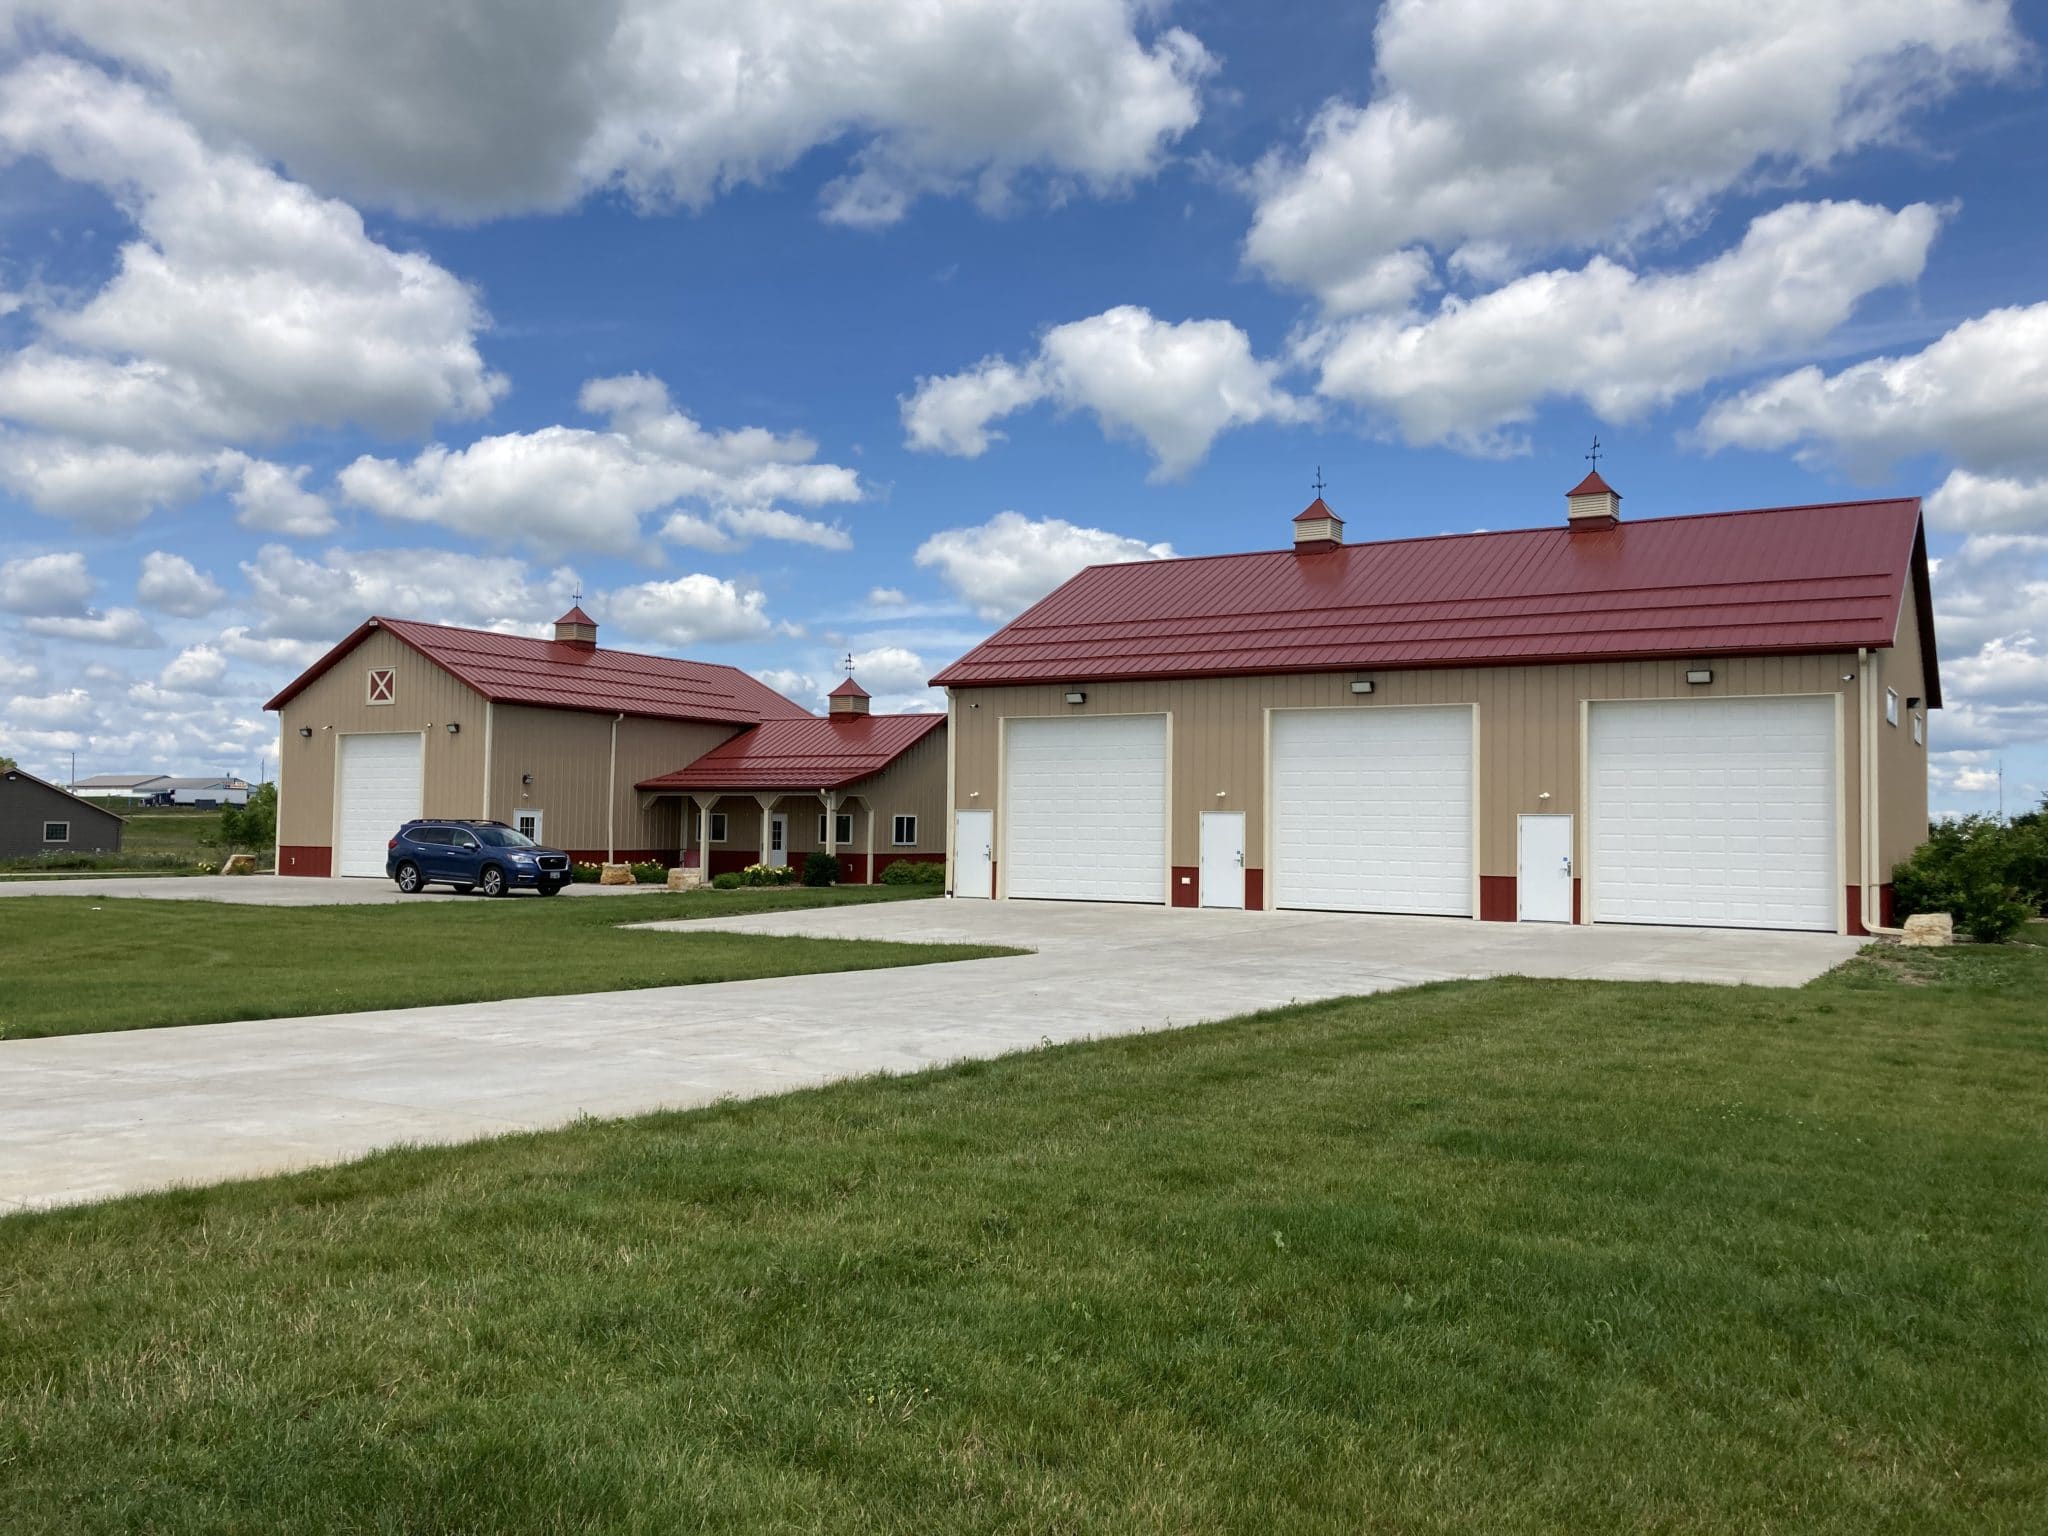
x=1784 y=579
x=576 y=615
x=803 y=754
x=1315 y=511
x=848 y=690
x=556 y=674
x=1593 y=485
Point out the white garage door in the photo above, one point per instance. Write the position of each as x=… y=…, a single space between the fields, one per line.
x=378 y=781
x=1372 y=810
x=1715 y=813
x=1085 y=809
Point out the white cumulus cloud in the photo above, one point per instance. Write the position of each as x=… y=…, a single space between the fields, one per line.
x=579 y=488
x=690 y=610
x=320 y=600
x=1537 y=125
x=468 y=112
x=172 y=584
x=48 y=586
x=1174 y=385
x=1009 y=562
x=1621 y=341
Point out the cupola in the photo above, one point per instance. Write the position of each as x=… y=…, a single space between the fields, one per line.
x=1317 y=528
x=576 y=628
x=1592 y=504
x=849 y=700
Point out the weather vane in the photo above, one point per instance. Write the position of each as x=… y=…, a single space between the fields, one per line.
x=1595 y=454
x=849 y=663
x=1319 y=482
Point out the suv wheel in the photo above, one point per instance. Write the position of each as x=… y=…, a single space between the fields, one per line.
x=408 y=878
x=493 y=881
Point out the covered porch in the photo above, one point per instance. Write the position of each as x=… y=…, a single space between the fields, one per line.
x=725 y=830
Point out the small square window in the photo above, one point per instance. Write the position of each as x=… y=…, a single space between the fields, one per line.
x=383 y=686
x=56 y=831
x=842 y=833
x=1891 y=707
x=1919 y=730
x=904 y=832
x=717 y=833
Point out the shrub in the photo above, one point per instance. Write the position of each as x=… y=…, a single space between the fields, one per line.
x=914 y=872
x=768 y=874
x=584 y=874
x=731 y=880
x=820 y=869
x=652 y=872
x=1971 y=868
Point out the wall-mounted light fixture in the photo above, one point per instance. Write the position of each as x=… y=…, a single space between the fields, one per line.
x=305 y=730
x=454 y=729
x=526 y=778
x=1700 y=675
x=1077 y=697
x=1848 y=677
x=1913 y=703
x=1362 y=685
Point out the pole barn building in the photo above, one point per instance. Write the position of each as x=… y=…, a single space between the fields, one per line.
x=556 y=737
x=1715 y=720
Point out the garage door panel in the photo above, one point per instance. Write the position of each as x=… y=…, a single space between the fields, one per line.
x=1714 y=812
x=1085 y=808
x=377 y=791
x=1372 y=810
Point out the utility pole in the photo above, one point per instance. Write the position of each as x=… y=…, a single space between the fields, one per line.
x=73 y=785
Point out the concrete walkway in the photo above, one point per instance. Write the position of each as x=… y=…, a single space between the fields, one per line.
x=87 y=1116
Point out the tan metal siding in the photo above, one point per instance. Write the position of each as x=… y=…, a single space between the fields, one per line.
x=567 y=753
x=1529 y=724
x=426 y=699
x=913 y=785
x=1901 y=765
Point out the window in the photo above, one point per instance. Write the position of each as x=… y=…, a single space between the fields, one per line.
x=528 y=823
x=842 y=833
x=718 y=826
x=56 y=831
x=383 y=686
x=1919 y=730
x=1891 y=707
x=434 y=837
x=904 y=833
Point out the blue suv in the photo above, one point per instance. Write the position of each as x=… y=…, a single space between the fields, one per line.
x=485 y=856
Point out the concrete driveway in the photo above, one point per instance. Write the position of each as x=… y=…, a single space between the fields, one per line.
x=88 y=1116
x=264 y=890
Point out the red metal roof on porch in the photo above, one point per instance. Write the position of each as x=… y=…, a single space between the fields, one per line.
x=552 y=674
x=803 y=754
x=1774 y=580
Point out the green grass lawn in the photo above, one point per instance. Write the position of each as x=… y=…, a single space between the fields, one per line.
x=1507 y=1256
x=79 y=965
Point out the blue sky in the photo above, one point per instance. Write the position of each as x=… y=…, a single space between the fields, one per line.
x=783 y=333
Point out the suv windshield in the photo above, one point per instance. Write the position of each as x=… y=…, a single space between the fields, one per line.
x=504 y=837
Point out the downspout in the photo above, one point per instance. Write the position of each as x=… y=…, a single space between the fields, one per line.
x=952 y=814
x=1866 y=764
x=611 y=798
x=489 y=711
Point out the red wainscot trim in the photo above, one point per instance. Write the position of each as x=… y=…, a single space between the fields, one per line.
x=303 y=859
x=853 y=869
x=1886 y=913
x=1255 y=890
x=995 y=886
x=730 y=861
x=1497 y=899
x=1187 y=885
x=1887 y=908
x=1576 y=918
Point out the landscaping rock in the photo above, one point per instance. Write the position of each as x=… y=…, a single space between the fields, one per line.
x=685 y=879
x=239 y=864
x=1928 y=930
x=615 y=874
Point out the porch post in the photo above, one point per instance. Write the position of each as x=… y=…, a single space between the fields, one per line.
x=767 y=804
x=831 y=800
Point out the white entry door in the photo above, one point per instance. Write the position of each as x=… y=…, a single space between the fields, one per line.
x=378 y=777
x=1222 y=871
x=777 y=852
x=1543 y=869
x=527 y=824
x=1085 y=814
x=974 y=854
x=1372 y=809
x=1714 y=812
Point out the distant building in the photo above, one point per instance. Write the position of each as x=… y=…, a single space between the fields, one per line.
x=164 y=789
x=39 y=818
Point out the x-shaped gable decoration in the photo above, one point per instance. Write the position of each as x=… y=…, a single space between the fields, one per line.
x=383 y=685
